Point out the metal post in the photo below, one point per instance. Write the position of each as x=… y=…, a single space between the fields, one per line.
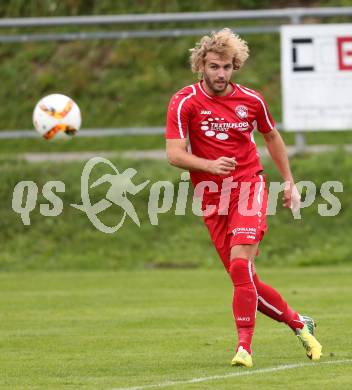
x=300 y=142
x=300 y=139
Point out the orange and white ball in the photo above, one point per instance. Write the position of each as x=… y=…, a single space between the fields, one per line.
x=57 y=116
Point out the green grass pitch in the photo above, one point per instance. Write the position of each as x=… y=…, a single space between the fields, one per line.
x=112 y=330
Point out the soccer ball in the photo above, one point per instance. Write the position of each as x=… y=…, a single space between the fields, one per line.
x=56 y=116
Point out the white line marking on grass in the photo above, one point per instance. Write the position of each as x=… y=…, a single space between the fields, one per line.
x=233 y=375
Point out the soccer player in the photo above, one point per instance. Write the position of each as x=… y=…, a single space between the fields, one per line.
x=209 y=131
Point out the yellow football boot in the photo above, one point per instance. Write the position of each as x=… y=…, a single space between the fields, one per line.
x=310 y=343
x=242 y=358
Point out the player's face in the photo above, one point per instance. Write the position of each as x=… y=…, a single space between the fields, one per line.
x=217 y=71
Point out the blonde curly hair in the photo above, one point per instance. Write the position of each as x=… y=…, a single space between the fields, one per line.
x=224 y=43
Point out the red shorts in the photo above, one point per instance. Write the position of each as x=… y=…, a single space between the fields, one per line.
x=239 y=217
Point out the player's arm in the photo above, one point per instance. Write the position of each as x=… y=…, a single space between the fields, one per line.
x=277 y=151
x=178 y=156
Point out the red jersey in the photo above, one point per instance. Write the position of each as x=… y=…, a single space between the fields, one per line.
x=220 y=126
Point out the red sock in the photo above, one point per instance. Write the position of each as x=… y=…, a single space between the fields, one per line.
x=244 y=301
x=271 y=304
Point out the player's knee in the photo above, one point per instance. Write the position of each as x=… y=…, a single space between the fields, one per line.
x=244 y=251
x=240 y=271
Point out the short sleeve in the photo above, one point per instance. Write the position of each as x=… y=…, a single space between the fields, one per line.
x=178 y=116
x=265 y=122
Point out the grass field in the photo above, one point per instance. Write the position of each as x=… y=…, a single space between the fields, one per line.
x=150 y=307
x=100 y=330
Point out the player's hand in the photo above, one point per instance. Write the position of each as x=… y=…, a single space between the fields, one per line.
x=292 y=198
x=222 y=166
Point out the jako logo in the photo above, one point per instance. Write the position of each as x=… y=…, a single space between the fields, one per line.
x=247 y=319
x=204 y=112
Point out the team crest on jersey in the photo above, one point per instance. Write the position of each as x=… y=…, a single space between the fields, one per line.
x=241 y=111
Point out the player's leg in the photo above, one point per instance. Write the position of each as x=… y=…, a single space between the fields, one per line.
x=250 y=229
x=247 y=225
x=271 y=303
x=245 y=300
x=218 y=229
